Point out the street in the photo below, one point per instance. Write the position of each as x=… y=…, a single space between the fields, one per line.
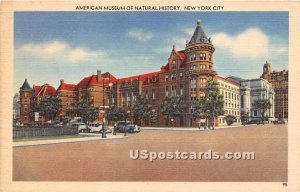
x=109 y=160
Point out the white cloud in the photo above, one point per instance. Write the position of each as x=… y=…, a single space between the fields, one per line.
x=81 y=54
x=250 y=43
x=140 y=35
x=47 y=49
x=60 y=49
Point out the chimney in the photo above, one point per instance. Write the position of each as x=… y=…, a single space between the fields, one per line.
x=99 y=75
x=62 y=81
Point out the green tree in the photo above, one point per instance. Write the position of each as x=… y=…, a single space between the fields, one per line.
x=212 y=104
x=230 y=119
x=172 y=107
x=262 y=105
x=87 y=112
x=49 y=107
x=141 y=109
x=114 y=113
x=244 y=117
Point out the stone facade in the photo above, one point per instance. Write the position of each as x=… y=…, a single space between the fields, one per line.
x=256 y=89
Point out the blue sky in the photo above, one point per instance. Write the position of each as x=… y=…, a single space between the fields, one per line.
x=50 y=46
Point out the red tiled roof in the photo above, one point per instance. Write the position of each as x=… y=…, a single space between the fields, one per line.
x=141 y=77
x=45 y=89
x=68 y=87
x=228 y=80
x=93 y=80
x=36 y=89
x=85 y=82
x=181 y=54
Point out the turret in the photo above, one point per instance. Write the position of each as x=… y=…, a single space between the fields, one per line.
x=199 y=51
x=25 y=103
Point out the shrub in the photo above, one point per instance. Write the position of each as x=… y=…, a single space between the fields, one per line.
x=230 y=119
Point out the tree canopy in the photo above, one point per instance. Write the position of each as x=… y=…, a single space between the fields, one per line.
x=212 y=104
x=172 y=107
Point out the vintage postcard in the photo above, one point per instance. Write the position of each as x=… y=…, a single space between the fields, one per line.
x=143 y=96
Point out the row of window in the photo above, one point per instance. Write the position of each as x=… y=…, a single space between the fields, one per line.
x=228 y=87
x=173 y=76
x=200 y=56
x=174 y=90
x=228 y=95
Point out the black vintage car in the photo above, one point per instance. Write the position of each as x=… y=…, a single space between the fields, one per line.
x=127 y=127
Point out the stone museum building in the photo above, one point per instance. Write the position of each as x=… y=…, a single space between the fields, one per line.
x=184 y=74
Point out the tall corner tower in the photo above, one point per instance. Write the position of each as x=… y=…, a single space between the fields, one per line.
x=199 y=51
x=199 y=69
x=25 y=103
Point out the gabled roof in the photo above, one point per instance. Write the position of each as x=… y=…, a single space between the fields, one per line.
x=93 y=80
x=199 y=36
x=181 y=55
x=67 y=87
x=87 y=81
x=25 y=85
x=43 y=90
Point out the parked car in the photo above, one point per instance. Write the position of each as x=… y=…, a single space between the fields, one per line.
x=107 y=130
x=81 y=127
x=95 y=127
x=127 y=127
x=279 y=121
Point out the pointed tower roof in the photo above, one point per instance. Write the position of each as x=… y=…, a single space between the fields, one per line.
x=25 y=85
x=199 y=35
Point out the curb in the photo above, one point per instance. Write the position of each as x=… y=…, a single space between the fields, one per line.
x=58 y=141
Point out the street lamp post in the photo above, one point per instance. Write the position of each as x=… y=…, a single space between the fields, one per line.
x=103 y=135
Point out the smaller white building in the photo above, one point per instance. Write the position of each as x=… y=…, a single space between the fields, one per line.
x=256 y=89
x=231 y=93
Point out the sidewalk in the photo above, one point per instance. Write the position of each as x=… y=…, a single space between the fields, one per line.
x=68 y=140
x=191 y=128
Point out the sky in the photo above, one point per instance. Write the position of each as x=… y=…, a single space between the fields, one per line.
x=49 y=46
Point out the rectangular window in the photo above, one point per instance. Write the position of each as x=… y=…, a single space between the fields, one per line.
x=202 y=56
x=181 y=75
x=193 y=85
x=181 y=89
x=153 y=94
x=193 y=57
x=255 y=113
x=167 y=91
x=174 y=65
x=167 y=77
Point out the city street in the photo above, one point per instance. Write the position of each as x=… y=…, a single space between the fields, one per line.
x=109 y=160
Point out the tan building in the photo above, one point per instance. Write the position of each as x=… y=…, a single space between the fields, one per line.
x=279 y=81
x=231 y=94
